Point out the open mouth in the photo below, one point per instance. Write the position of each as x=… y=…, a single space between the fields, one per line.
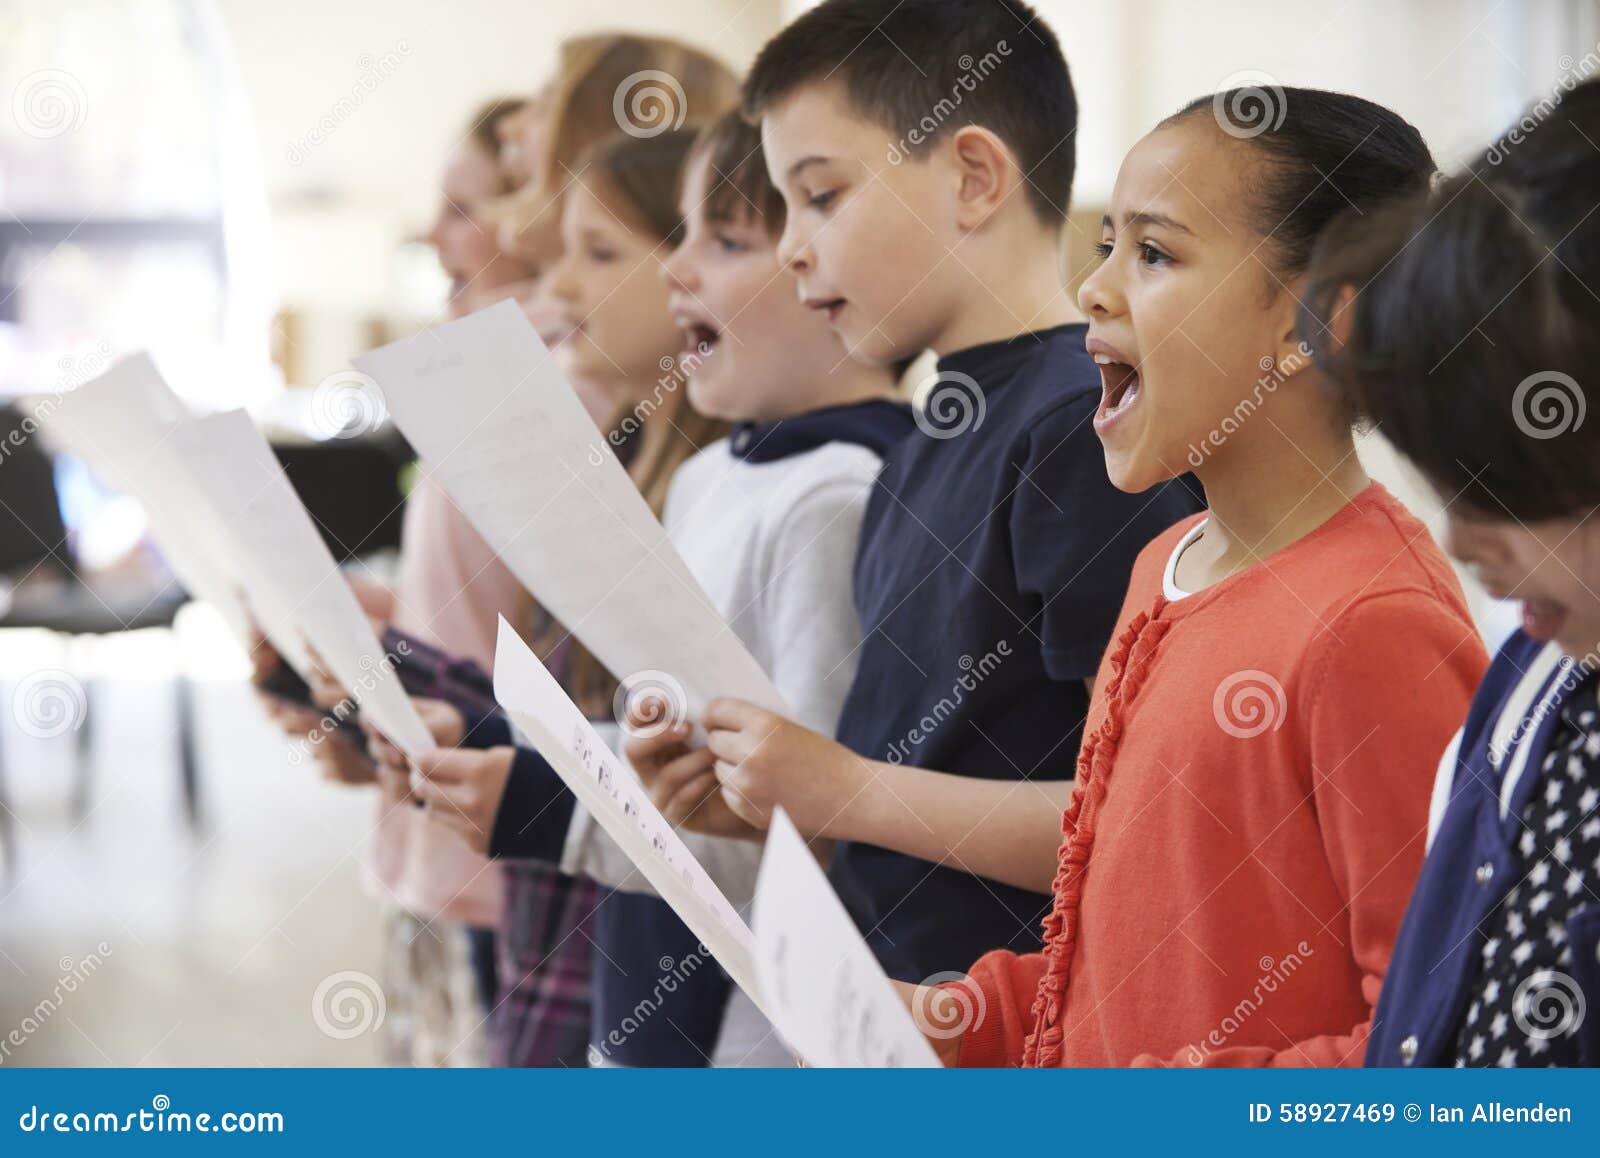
x=830 y=307
x=1119 y=388
x=700 y=340
x=1543 y=619
x=703 y=338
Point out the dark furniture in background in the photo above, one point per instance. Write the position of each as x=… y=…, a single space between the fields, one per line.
x=351 y=486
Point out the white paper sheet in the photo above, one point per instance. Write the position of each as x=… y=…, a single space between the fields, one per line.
x=827 y=994
x=233 y=528
x=498 y=426
x=288 y=571
x=118 y=424
x=609 y=789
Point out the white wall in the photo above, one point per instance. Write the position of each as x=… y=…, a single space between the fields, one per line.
x=1460 y=69
x=414 y=70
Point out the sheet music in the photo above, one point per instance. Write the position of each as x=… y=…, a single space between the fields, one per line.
x=826 y=992
x=120 y=424
x=498 y=426
x=234 y=529
x=288 y=570
x=613 y=795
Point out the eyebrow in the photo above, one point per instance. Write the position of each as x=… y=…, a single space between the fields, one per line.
x=804 y=162
x=1160 y=220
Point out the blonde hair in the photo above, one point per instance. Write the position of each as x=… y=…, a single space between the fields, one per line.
x=607 y=84
x=638 y=178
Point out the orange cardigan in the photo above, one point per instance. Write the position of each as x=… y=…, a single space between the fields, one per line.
x=1250 y=809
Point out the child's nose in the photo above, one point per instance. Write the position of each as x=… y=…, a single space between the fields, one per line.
x=793 y=253
x=560 y=285
x=1097 y=295
x=678 y=274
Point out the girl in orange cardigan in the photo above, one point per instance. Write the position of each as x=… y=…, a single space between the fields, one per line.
x=1252 y=790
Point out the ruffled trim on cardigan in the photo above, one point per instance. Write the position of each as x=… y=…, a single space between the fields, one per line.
x=1129 y=663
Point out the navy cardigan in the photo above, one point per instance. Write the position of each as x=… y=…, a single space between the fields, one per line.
x=1470 y=862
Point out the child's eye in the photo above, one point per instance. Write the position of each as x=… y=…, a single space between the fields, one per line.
x=1150 y=255
x=602 y=255
x=822 y=200
x=1102 y=250
x=729 y=244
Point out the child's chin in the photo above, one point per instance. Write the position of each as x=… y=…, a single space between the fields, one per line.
x=1132 y=474
x=708 y=399
x=868 y=346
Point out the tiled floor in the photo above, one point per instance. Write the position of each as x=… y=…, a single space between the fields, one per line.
x=126 y=939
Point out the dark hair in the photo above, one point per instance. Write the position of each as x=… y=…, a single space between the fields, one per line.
x=922 y=68
x=738 y=186
x=484 y=130
x=1326 y=154
x=1472 y=329
x=639 y=178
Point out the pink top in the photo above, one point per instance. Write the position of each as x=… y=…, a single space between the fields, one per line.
x=450 y=589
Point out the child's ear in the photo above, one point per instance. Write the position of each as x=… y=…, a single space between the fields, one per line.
x=987 y=174
x=1292 y=355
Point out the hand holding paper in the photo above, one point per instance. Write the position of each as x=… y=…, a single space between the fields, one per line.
x=826 y=992
x=607 y=787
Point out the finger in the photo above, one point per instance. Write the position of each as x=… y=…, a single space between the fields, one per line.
x=447 y=766
x=742 y=806
x=731 y=714
x=730 y=747
x=646 y=746
x=682 y=806
x=651 y=765
x=381 y=750
x=679 y=772
x=327 y=694
x=395 y=781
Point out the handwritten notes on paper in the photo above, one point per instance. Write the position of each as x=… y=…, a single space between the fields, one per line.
x=825 y=990
x=499 y=427
x=612 y=794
